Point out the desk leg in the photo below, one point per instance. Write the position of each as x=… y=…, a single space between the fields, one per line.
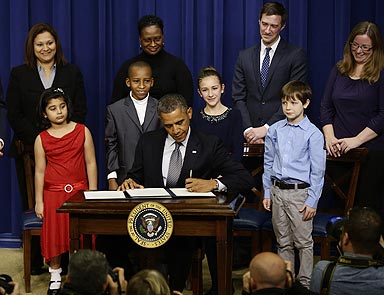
x=224 y=244
x=74 y=233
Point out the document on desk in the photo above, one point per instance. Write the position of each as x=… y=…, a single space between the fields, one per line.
x=148 y=193
x=183 y=192
x=104 y=195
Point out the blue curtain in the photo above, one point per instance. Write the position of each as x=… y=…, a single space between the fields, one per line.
x=98 y=35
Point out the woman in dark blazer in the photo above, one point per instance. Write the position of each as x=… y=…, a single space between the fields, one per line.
x=44 y=66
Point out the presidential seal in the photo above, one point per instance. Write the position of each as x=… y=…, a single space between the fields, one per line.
x=150 y=224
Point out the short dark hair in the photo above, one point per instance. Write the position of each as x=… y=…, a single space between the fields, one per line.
x=296 y=90
x=364 y=227
x=274 y=8
x=45 y=97
x=150 y=20
x=148 y=281
x=138 y=64
x=29 y=52
x=170 y=102
x=88 y=271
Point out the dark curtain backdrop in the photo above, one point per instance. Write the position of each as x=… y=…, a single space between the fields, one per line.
x=98 y=35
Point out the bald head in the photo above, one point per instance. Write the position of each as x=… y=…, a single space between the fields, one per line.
x=268 y=270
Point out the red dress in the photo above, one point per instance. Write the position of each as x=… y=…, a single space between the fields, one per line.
x=65 y=174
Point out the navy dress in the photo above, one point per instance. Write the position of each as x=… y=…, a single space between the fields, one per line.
x=227 y=126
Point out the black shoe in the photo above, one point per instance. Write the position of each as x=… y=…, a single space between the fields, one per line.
x=52 y=291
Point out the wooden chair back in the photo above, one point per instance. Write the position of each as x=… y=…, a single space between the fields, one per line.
x=355 y=158
x=26 y=151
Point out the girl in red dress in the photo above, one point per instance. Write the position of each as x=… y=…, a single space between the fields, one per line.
x=65 y=163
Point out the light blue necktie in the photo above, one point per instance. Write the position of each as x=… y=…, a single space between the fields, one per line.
x=265 y=66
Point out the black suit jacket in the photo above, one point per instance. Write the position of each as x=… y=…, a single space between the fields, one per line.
x=23 y=94
x=260 y=106
x=205 y=155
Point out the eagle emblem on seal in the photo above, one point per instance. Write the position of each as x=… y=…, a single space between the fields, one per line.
x=150 y=224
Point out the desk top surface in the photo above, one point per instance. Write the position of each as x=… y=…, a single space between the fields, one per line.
x=177 y=206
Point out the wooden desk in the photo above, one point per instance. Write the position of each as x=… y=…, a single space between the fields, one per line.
x=191 y=217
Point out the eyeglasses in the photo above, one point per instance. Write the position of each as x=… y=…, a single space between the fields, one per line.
x=355 y=46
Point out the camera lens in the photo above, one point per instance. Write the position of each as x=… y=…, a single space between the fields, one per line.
x=334 y=227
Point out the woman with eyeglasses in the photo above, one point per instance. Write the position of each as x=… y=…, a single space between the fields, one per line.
x=44 y=66
x=352 y=109
x=170 y=73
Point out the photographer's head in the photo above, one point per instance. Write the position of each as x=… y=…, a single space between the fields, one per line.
x=88 y=271
x=361 y=232
x=268 y=270
x=148 y=281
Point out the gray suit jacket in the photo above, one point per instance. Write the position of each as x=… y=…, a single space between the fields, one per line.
x=260 y=106
x=123 y=131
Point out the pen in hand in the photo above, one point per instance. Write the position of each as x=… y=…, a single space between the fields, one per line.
x=190 y=173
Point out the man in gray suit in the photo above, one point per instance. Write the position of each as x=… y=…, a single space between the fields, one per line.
x=126 y=120
x=262 y=70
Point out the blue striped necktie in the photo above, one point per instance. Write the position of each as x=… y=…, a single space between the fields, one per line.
x=265 y=67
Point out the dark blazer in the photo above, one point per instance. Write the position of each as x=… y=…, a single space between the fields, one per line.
x=205 y=155
x=123 y=131
x=260 y=106
x=23 y=94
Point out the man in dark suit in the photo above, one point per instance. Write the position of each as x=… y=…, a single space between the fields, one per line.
x=259 y=102
x=203 y=156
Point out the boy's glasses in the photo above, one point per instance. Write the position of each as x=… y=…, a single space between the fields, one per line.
x=364 y=48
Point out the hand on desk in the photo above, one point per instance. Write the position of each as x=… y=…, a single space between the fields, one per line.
x=200 y=185
x=129 y=184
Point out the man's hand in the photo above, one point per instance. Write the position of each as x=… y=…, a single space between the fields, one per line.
x=112 y=286
x=309 y=212
x=129 y=184
x=255 y=135
x=200 y=185
x=267 y=204
x=112 y=184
